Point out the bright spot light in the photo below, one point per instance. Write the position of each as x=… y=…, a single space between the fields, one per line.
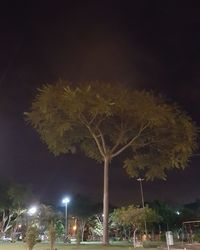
x=65 y=200
x=32 y=211
x=177 y=212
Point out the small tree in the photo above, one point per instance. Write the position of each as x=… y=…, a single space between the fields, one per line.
x=60 y=229
x=134 y=217
x=96 y=226
x=31 y=237
x=105 y=120
x=47 y=216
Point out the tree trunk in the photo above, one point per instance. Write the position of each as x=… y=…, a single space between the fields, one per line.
x=134 y=238
x=82 y=229
x=105 y=201
x=51 y=245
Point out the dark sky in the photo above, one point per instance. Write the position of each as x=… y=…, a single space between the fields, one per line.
x=148 y=44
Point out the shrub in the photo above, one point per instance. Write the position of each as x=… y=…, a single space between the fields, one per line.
x=31 y=236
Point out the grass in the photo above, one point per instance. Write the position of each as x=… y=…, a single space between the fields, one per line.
x=86 y=246
x=61 y=246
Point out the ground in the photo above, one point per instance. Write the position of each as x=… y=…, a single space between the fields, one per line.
x=45 y=246
x=91 y=246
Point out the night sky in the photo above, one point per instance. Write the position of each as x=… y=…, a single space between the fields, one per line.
x=152 y=45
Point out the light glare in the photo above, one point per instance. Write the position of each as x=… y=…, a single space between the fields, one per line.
x=32 y=210
x=66 y=200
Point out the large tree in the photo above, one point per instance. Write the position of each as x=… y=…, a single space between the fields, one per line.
x=105 y=120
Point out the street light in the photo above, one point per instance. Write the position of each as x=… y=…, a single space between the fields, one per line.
x=65 y=201
x=32 y=210
x=142 y=197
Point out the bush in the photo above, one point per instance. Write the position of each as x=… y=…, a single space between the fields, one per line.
x=31 y=237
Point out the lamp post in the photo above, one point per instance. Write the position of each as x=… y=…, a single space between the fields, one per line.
x=142 y=197
x=65 y=201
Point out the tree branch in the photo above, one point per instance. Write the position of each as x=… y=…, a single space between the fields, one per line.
x=103 y=141
x=84 y=121
x=93 y=118
x=97 y=141
x=131 y=141
x=117 y=143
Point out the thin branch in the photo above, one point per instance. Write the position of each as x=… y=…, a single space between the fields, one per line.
x=131 y=141
x=125 y=147
x=122 y=132
x=96 y=140
x=84 y=121
x=118 y=142
x=93 y=118
x=8 y=222
x=102 y=140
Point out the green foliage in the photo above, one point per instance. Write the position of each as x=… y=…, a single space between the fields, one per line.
x=13 y=198
x=103 y=120
x=98 y=229
x=47 y=215
x=96 y=226
x=197 y=236
x=134 y=216
x=31 y=236
x=60 y=229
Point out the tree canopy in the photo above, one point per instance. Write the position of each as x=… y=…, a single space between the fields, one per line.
x=13 y=198
x=103 y=120
x=134 y=216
